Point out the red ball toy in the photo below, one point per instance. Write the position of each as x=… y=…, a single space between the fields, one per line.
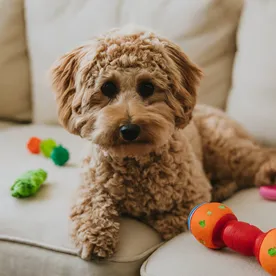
x=33 y=145
x=215 y=226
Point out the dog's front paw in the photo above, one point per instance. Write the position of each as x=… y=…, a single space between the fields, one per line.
x=93 y=246
x=95 y=251
x=95 y=242
x=85 y=251
x=266 y=176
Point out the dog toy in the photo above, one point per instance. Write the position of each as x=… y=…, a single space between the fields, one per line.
x=49 y=148
x=268 y=192
x=60 y=155
x=33 y=145
x=215 y=226
x=28 y=183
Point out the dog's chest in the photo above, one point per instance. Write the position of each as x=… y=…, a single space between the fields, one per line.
x=144 y=188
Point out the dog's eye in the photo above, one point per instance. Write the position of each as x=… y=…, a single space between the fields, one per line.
x=145 y=89
x=109 y=89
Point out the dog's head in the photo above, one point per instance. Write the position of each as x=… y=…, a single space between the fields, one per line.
x=127 y=93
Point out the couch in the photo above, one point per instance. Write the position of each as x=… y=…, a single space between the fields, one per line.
x=233 y=41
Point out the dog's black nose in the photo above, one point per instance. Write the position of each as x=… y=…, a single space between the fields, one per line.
x=130 y=132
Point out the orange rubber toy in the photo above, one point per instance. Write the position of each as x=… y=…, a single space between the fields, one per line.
x=215 y=226
x=33 y=145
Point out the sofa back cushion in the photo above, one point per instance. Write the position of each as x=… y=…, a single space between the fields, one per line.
x=252 y=100
x=205 y=29
x=15 y=98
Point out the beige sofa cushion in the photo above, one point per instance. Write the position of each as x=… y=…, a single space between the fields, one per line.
x=205 y=29
x=252 y=100
x=15 y=98
x=184 y=256
x=5 y=124
x=34 y=238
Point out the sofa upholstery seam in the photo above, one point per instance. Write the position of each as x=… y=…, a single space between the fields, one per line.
x=73 y=252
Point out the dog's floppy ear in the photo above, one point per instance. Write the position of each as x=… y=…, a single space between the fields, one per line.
x=186 y=89
x=63 y=75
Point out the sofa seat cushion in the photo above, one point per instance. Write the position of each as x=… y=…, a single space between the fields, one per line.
x=5 y=124
x=184 y=256
x=34 y=238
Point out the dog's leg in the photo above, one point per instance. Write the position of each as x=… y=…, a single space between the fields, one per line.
x=95 y=224
x=230 y=153
x=224 y=190
x=194 y=188
x=170 y=224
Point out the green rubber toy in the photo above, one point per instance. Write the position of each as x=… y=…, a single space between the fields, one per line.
x=60 y=155
x=28 y=184
x=47 y=146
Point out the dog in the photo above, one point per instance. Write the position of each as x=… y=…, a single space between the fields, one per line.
x=154 y=153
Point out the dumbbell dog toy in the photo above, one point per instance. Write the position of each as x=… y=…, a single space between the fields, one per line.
x=215 y=226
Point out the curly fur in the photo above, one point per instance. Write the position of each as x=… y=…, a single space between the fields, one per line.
x=175 y=163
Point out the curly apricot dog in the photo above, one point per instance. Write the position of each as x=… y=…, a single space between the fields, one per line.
x=133 y=96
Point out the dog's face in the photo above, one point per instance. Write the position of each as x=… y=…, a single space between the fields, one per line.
x=125 y=93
